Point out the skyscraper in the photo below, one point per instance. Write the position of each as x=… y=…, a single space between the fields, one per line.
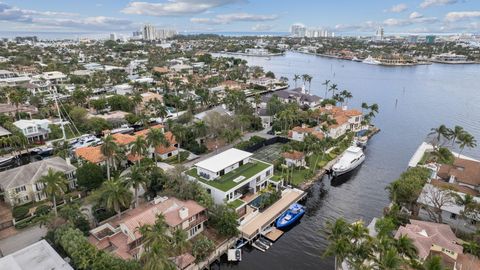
x=379 y=34
x=298 y=30
x=149 y=32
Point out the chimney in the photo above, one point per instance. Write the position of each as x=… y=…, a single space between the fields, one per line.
x=183 y=213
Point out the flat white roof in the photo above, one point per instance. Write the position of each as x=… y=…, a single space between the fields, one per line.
x=38 y=256
x=223 y=160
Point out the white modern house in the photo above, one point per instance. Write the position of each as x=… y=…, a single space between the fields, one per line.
x=34 y=129
x=232 y=174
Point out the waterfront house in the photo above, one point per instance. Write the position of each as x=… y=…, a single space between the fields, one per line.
x=121 y=237
x=294 y=158
x=34 y=129
x=299 y=133
x=344 y=119
x=267 y=119
x=39 y=256
x=91 y=154
x=434 y=239
x=231 y=175
x=20 y=185
x=297 y=95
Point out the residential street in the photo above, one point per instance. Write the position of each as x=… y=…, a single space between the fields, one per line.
x=22 y=239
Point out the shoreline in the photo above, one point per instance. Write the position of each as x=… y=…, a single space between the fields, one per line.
x=253 y=55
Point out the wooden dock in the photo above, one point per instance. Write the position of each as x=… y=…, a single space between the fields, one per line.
x=274 y=234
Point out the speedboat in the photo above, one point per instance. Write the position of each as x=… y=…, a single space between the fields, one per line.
x=124 y=129
x=289 y=217
x=361 y=141
x=372 y=61
x=351 y=159
x=86 y=140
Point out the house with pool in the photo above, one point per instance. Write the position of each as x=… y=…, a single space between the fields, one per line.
x=233 y=176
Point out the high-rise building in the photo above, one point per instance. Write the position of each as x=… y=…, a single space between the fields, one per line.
x=298 y=30
x=430 y=39
x=379 y=34
x=113 y=36
x=149 y=32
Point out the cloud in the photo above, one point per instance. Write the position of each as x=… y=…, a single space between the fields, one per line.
x=398 y=8
x=430 y=3
x=175 y=7
x=415 y=15
x=365 y=26
x=262 y=27
x=50 y=19
x=410 y=20
x=234 y=17
x=461 y=15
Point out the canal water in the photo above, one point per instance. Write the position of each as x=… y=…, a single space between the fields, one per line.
x=412 y=100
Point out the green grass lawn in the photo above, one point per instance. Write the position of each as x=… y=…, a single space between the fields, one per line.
x=235 y=204
x=226 y=182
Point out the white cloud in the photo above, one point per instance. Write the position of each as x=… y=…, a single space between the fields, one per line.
x=415 y=15
x=430 y=3
x=262 y=27
x=410 y=20
x=461 y=15
x=398 y=8
x=49 y=19
x=234 y=17
x=175 y=7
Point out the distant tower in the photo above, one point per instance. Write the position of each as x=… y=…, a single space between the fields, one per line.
x=113 y=36
x=149 y=32
x=380 y=33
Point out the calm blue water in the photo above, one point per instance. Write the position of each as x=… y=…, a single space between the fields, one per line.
x=427 y=97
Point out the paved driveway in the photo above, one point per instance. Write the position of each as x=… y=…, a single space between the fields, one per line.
x=22 y=239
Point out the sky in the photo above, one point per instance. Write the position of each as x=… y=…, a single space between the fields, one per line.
x=340 y=16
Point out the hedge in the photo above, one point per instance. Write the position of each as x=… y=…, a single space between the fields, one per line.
x=21 y=212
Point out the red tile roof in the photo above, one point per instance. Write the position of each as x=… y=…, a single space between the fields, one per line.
x=90 y=153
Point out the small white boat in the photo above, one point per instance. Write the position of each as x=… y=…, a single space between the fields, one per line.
x=234 y=255
x=85 y=140
x=361 y=141
x=371 y=61
x=351 y=159
x=124 y=129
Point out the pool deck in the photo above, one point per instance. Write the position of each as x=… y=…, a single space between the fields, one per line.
x=262 y=220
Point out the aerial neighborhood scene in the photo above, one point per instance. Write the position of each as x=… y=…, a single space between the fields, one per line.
x=235 y=134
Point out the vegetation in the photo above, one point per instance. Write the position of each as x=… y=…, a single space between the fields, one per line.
x=405 y=190
x=202 y=247
x=55 y=185
x=224 y=219
x=90 y=176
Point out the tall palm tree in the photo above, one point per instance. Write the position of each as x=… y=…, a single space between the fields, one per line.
x=309 y=80
x=466 y=140
x=333 y=88
x=179 y=242
x=108 y=149
x=115 y=195
x=296 y=77
x=406 y=247
x=139 y=148
x=156 y=138
x=136 y=178
x=439 y=133
x=180 y=133
x=433 y=263
x=339 y=242
x=389 y=259
x=326 y=83
x=55 y=185
x=157 y=245
x=456 y=132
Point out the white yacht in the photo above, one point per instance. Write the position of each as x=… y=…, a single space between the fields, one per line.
x=351 y=159
x=372 y=61
x=84 y=141
x=124 y=129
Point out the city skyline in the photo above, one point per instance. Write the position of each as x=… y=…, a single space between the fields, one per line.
x=341 y=17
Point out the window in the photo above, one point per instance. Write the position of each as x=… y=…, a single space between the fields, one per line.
x=240 y=163
x=20 y=189
x=268 y=173
x=453 y=216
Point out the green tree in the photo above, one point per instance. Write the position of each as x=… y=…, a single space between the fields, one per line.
x=90 y=176
x=114 y=195
x=224 y=220
x=139 y=148
x=136 y=178
x=202 y=247
x=406 y=189
x=156 y=138
x=55 y=184
x=108 y=149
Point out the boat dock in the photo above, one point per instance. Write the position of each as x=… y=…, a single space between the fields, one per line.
x=274 y=234
x=255 y=226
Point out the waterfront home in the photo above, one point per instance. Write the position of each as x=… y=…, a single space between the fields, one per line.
x=39 y=256
x=344 y=119
x=34 y=129
x=433 y=239
x=299 y=95
x=299 y=133
x=40 y=87
x=263 y=81
x=231 y=175
x=294 y=158
x=121 y=236
x=267 y=119
x=91 y=154
x=11 y=109
x=464 y=172
x=4 y=132
x=20 y=185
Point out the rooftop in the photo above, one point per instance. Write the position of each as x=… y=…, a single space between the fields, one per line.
x=223 y=160
x=38 y=256
x=233 y=178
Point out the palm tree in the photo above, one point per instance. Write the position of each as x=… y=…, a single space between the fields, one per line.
x=295 y=79
x=333 y=88
x=406 y=247
x=347 y=95
x=309 y=80
x=108 y=149
x=440 y=132
x=389 y=259
x=326 y=83
x=180 y=133
x=466 y=140
x=339 y=242
x=115 y=195
x=55 y=185
x=156 y=138
x=157 y=245
x=139 y=148
x=136 y=178
x=456 y=132
x=305 y=78
x=364 y=106
x=433 y=263
x=179 y=242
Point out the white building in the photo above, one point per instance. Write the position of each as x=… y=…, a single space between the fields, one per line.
x=38 y=256
x=35 y=129
x=231 y=175
x=298 y=30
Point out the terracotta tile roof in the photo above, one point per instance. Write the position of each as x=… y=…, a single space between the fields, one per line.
x=303 y=129
x=465 y=171
x=424 y=234
x=295 y=155
x=467 y=262
x=123 y=139
x=160 y=69
x=340 y=119
x=90 y=153
x=184 y=260
x=145 y=131
x=456 y=187
x=117 y=244
x=164 y=150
